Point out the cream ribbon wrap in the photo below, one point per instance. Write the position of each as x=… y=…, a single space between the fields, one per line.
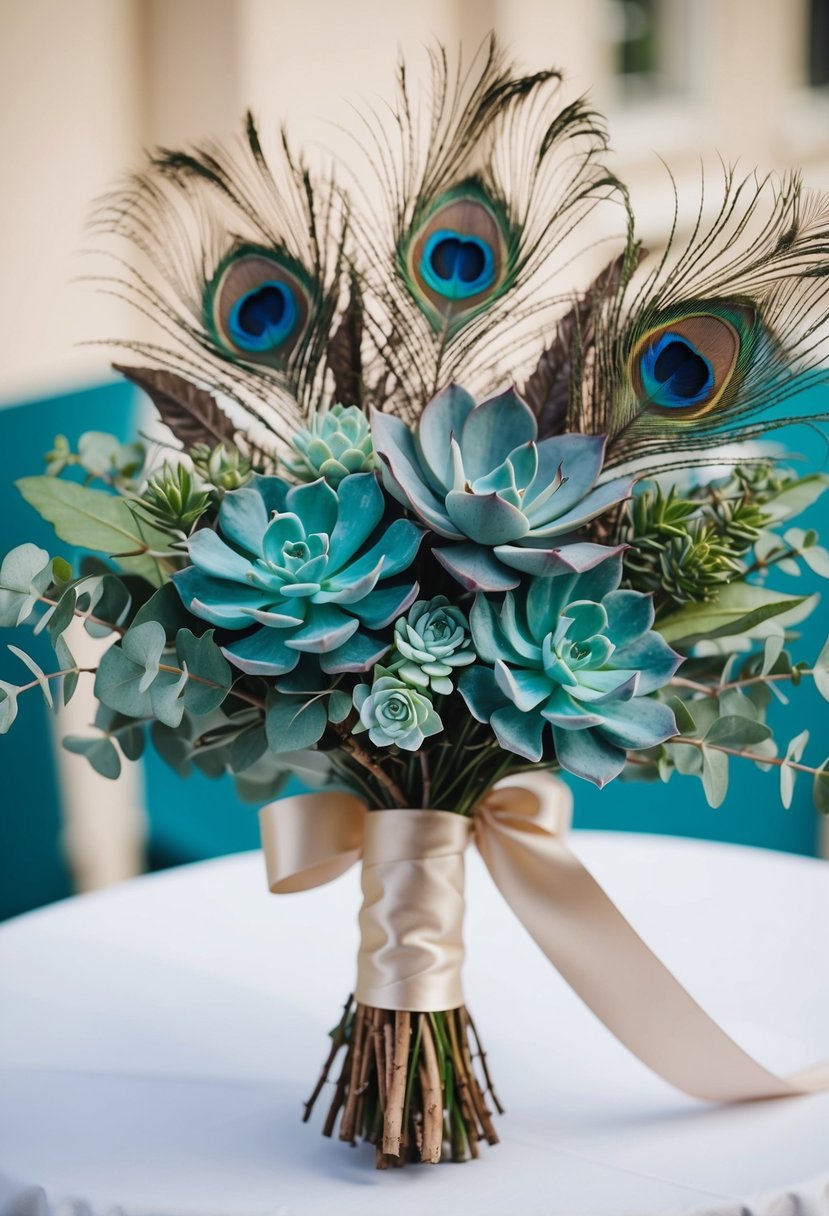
x=411 y=949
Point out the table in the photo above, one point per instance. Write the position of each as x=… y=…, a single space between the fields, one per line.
x=157 y=1040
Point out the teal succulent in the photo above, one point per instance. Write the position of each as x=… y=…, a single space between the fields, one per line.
x=338 y=442
x=577 y=655
x=393 y=712
x=508 y=505
x=223 y=467
x=432 y=640
x=299 y=570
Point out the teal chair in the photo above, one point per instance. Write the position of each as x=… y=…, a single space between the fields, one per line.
x=32 y=866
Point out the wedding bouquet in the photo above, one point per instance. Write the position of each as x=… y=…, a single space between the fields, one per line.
x=369 y=564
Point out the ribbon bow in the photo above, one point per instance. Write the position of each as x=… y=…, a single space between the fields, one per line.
x=413 y=868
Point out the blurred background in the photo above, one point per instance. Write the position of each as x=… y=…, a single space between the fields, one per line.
x=87 y=85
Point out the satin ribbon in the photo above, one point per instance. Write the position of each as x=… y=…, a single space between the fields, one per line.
x=413 y=904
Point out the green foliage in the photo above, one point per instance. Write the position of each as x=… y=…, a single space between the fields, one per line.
x=209 y=674
x=136 y=679
x=173 y=500
x=684 y=551
x=99 y=750
x=737 y=611
x=820 y=788
x=99 y=454
x=130 y=681
x=294 y=722
x=688 y=551
x=25 y=574
x=97 y=520
x=788 y=775
x=38 y=673
x=821 y=671
x=8 y=705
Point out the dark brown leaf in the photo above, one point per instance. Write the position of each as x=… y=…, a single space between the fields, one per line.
x=345 y=352
x=547 y=392
x=191 y=413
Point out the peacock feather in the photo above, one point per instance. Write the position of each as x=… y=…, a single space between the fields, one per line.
x=707 y=346
x=478 y=192
x=240 y=268
x=449 y=260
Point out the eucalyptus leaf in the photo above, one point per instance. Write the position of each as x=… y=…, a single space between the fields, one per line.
x=38 y=673
x=98 y=452
x=734 y=731
x=109 y=601
x=61 y=570
x=788 y=565
x=100 y=752
x=62 y=614
x=339 y=706
x=211 y=763
x=8 y=705
x=734 y=702
x=820 y=788
x=248 y=747
x=129 y=679
x=796 y=497
x=714 y=776
x=685 y=722
x=687 y=759
x=772 y=647
x=817 y=559
x=131 y=738
x=25 y=573
x=165 y=607
x=67 y=663
x=204 y=661
x=766 y=747
x=821 y=671
x=294 y=723
x=174 y=747
x=97 y=520
x=788 y=775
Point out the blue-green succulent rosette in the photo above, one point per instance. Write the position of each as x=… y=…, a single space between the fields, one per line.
x=575 y=658
x=302 y=570
x=506 y=504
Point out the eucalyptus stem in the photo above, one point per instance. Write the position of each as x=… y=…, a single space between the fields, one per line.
x=56 y=675
x=85 y=616
x=714 y=690
x=240 y=695
x=777 y=761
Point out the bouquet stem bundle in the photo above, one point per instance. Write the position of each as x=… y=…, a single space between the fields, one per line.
x=408 y=1085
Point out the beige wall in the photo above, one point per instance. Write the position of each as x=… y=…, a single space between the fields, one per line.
x=86 y=83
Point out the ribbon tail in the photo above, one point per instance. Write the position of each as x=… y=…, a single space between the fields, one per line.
x=311 y=839
x=616 y=974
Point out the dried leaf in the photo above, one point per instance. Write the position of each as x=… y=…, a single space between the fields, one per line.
x=344 y=356
x=191 y=413
x=547 y=392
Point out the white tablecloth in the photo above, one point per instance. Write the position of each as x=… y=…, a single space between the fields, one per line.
x=157 y=1041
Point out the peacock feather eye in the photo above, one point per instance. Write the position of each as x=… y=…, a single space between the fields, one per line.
x=258 y=304
x=455 y=261
x=689 y=365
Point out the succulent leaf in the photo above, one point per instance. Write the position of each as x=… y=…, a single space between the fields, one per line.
x=476 y=475
x=573 y=654
x=303 y=570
